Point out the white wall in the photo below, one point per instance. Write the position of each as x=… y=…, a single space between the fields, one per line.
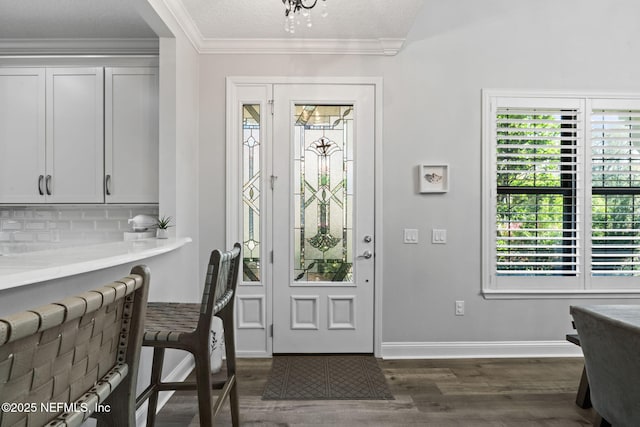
x=178 y=71
x=432 y=94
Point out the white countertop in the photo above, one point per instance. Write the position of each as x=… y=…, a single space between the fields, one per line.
x=33 y=267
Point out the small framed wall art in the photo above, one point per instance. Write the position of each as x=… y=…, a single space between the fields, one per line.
x=434 y=178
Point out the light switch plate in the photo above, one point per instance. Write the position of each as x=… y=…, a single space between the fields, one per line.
x=411 y=235
x=439 y=237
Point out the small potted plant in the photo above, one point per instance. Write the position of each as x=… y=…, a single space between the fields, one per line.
x=163 y=223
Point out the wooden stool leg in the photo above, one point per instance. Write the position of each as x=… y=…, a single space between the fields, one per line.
x=230 y=349
x=203 y=380
x=600 y=422
x=122 y=410
x=583 y=398
x=156 y=377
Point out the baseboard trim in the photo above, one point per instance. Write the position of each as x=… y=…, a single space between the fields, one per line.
x=478 y=349
x=179 y=373
x=252 y=354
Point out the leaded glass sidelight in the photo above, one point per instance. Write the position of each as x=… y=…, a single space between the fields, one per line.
x=251 y=191
x=323 y=193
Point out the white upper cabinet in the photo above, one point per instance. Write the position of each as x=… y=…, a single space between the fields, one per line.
x=79 y=135
x=22 y=135
x=51 y=135
x=74 y=155
x=131 y=135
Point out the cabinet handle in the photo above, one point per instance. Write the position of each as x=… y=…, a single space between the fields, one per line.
x=107 y=185
x=40 y=190
x=48 y=185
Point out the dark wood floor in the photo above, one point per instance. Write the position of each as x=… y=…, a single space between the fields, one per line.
x=460 y=392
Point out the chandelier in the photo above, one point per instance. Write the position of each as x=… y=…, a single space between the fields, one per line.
x=293 y=9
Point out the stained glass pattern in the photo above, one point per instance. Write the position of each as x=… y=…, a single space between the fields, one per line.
x=251 y=191
x=323 y=199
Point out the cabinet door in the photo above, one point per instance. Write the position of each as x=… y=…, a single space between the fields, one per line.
x=131 y=135
x=75 y=158
x=22 y=135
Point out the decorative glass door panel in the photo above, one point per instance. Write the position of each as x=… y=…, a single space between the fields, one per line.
x=323 y=222
x=323 y=194
x=251 y=192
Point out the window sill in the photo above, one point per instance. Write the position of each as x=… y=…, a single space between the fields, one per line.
x=560 y=294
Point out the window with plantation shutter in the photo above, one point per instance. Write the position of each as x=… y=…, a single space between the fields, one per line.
x=536 y=181
x=561 y=194
x=615 y=189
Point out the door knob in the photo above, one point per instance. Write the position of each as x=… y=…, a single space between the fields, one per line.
x=367 y=239
x=366 y=255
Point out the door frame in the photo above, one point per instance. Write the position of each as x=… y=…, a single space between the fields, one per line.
x=233 y=213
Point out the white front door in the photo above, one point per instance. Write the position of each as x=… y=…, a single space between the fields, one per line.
x=323 y=218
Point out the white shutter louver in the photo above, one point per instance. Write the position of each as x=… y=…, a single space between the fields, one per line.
x=615 y=192
x=537 y=169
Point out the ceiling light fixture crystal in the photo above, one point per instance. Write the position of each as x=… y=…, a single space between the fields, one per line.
x=294 y=8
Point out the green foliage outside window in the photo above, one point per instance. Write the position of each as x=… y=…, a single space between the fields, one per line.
x=535 y=197
x=537 y=206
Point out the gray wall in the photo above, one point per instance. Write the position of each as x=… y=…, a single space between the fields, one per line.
x=432 y=94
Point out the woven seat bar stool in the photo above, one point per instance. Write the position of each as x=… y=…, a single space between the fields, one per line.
x=66 y=361
x=187 y=327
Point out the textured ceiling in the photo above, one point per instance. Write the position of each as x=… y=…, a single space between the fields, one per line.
x=214 y=19
x=264 y=19
x=39 y=19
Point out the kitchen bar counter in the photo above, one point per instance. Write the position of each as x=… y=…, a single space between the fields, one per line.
x=33 y=267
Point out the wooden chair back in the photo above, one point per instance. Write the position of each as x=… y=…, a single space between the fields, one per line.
x=223 y=268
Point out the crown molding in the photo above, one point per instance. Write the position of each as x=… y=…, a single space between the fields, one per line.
x=387 y=47
x=76 y=47
x=381 y=46
x=185 y=22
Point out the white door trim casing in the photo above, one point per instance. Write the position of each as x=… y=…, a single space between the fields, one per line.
x=233 y=183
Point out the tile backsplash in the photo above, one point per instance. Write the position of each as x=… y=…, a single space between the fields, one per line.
x=29 y=228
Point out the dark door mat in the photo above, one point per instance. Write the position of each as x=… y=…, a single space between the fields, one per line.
x=326 y=377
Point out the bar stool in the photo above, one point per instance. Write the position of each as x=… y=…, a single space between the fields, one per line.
x=187 y=327
x=75 y=356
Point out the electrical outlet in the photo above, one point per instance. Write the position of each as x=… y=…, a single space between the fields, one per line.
x=459 y=308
